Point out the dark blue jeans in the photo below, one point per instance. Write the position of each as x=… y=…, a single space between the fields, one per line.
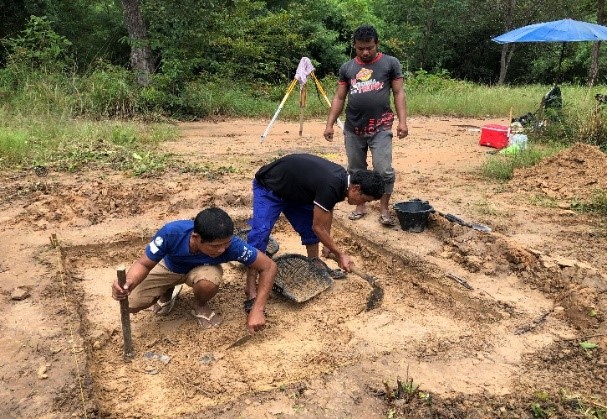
x=267 y=207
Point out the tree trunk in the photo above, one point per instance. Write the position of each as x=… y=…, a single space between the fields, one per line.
x=141 y=54
x=593 y=72
x=507 y=51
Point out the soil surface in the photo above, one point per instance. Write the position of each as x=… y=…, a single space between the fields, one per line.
x=509 y=323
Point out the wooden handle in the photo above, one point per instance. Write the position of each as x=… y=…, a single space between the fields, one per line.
x=369 y=278
x=125 y=318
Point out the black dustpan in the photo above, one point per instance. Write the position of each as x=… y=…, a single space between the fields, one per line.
x=299 y=279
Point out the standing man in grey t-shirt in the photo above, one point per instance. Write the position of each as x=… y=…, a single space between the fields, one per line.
x=367 y=81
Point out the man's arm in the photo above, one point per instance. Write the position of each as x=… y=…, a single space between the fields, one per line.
x=136 y=274
x=266 y=268
x=321 y=225
x=400 y=103
x=337 y=105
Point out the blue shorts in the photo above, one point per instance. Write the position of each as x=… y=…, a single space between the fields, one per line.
x=267 y=207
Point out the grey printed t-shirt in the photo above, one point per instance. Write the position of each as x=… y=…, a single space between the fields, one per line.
x=369 y=85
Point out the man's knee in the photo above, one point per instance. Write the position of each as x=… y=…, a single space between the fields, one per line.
x=137 y=304
x=212 y=274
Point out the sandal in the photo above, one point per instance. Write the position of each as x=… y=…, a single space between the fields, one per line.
x=206 y=322
x=387 y=221
x=163 y=308
x=356 y=215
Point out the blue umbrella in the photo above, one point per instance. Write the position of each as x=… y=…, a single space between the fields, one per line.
x=565 y=30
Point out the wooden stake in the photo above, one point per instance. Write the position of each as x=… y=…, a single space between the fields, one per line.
x=509 y=123
x=302 y=105
x=125 y=319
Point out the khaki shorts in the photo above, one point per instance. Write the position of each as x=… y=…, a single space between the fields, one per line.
x=161 y=279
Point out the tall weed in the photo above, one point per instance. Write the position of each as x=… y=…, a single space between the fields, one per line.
x=107 y=92
x=13 y=145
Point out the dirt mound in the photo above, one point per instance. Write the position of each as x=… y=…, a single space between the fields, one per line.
x=89 y=203
x=574 y=174
x=88 y=199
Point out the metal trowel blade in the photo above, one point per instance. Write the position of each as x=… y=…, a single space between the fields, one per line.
x=240 y=341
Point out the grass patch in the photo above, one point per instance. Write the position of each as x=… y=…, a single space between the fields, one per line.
x=597 y=204
x=502 y=166
x=485 y=208
x=546 y=406
x=13 y=145
x=541 y=200
x=208 y=171
x=69 y=144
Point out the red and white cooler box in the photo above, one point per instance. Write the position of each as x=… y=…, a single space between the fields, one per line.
x=494 y=135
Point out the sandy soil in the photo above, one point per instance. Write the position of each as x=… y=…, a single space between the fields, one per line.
x=487 y=324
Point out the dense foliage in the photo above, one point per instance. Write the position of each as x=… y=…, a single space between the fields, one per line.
x=71 y=57
x=61 y=60
x=262 y=41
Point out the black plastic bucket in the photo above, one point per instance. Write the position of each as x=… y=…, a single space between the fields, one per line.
x=413 y=215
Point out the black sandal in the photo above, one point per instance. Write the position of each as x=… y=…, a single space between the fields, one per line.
x=248 y=305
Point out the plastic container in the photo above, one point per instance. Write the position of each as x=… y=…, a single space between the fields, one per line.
x=518 y=140
x=493 y=135
x=413 y=215
x=516 y=144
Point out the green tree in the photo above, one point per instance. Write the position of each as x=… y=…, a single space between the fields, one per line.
x=593 y=71
x=38 y=48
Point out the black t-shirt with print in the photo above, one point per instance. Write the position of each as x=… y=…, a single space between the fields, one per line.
x=369 y=86
x=305 y=179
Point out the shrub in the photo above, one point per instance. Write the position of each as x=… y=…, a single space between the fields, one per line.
x=38 y=48
x=109 y=91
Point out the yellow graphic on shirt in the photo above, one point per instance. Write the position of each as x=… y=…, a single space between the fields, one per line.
x=364 y=74
x=363 y=82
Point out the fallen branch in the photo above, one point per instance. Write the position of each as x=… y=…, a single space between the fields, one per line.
x=535 y=323
x=459 y=280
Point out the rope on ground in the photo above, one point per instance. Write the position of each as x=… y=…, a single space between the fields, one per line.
x=57 y=246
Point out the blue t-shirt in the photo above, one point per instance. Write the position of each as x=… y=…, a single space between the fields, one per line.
x=172 y=243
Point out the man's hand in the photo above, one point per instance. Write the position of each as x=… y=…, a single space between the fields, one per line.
x=119 y=293
x=345 y=262
x=255 y=321
x=328 y=134
x=137 y=273
x=402 y=130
